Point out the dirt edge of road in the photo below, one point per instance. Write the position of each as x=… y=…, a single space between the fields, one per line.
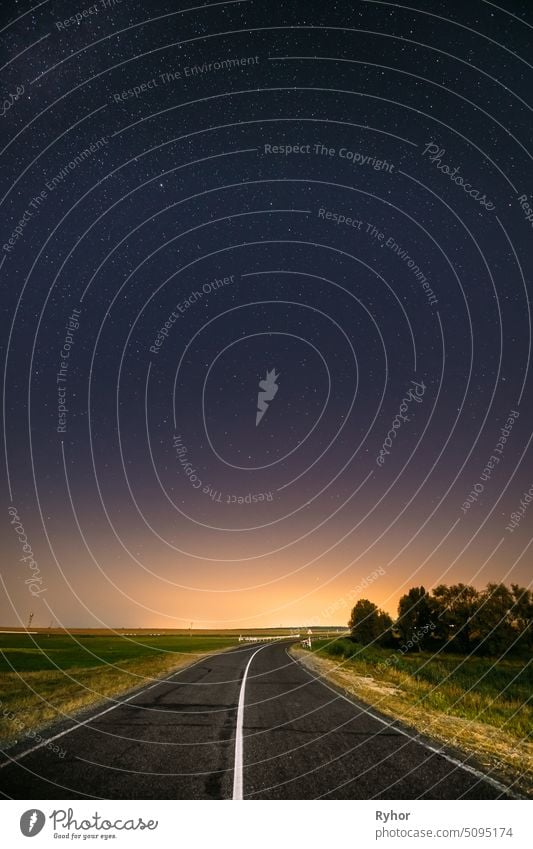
x=91 y=702
x=508 y=761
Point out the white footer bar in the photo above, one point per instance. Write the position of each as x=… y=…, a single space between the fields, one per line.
x=267 y=824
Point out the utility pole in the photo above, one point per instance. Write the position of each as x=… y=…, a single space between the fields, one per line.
x=30 y=620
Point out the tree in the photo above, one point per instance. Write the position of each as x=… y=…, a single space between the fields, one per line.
x=368 y=623
x=454 y=611
x=493 y=621
x=523 y=614
x=414 y=617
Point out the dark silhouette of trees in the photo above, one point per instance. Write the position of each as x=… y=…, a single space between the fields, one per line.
x=493 y=621
x=368 y=624
x=454 y=610
x=415 y=617
x=457 y=618
x=523 y=614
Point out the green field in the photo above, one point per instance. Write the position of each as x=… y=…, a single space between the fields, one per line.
x=483 y=706
x=47 y=676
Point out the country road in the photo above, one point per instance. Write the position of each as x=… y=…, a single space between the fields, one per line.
x=248 y=723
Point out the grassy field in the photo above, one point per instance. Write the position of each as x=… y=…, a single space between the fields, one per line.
x=178 y=632
x=477 y=705
x=47 y=675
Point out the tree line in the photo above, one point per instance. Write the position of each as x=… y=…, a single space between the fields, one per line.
x=458 y=618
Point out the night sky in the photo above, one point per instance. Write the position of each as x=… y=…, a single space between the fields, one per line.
x=334 y=198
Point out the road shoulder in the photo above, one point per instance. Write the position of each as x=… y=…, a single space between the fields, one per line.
x=13 y=749
x=488 y=750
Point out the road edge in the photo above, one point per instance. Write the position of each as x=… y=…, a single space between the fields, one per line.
x=451 y=753
x=61 y=727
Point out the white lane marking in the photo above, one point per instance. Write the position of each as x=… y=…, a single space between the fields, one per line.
x=393 y=727
x=96 y=716
x=237 y=771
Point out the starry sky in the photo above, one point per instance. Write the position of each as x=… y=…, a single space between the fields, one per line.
x=338 y=194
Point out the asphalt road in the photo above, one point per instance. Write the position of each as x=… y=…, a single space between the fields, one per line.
x=185 y=739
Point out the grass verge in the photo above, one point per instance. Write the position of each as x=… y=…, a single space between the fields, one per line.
x=477 y=706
